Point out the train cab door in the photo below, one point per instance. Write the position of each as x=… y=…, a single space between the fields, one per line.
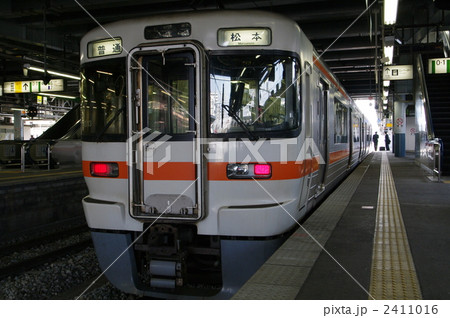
x=165 y=181
x=322 y=114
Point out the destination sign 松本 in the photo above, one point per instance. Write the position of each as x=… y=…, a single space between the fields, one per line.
x=244 y=37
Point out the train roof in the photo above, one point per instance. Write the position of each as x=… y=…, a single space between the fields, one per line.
x=204 y=29
x=286 y=34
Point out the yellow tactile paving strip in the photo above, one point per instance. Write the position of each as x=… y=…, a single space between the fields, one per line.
x=393 y=274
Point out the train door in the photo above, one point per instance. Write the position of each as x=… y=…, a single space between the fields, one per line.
x=361 y=138
x=306 y=193
x=322 y=114
x=165 y=179
x=355 y=144
x=351 y=141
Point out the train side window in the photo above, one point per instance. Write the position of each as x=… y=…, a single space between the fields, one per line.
x=340 y=123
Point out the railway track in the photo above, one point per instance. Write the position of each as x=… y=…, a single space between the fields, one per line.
x=17 y=268
x=55 y=266
x=41 y=240
x=76 y=291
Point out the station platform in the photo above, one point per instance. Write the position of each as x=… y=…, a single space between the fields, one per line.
x=11 y=177
x=382 y=234
x=39 y=199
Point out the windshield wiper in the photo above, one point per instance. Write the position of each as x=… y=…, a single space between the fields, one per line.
x=240 y=122
x=234 y=115
x=109 y=123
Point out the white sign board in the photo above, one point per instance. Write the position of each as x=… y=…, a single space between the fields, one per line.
x=397 y=72
x=244 y=37
x=439 y=66
x=105 y=47
x=55 y=85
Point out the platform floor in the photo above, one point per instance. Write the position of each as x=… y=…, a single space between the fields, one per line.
x=9 y=177
x=382 y=234
x=37 y=200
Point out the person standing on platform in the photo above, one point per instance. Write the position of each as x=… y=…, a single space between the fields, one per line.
x=375 y=141
x=387 y=141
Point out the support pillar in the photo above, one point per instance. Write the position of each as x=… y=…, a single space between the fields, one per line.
x=399 y=123
x=18 y=125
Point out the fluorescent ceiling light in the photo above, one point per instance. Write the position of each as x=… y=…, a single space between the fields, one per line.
x=40 y=69
x=59 y=96
x=106 y=73
x=389 y=53
x=390 y=11
x=386 y=83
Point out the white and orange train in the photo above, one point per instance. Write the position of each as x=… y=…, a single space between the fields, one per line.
x=205 y=136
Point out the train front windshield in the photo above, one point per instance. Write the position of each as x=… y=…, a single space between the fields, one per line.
x=253 y=94
x=103 y=94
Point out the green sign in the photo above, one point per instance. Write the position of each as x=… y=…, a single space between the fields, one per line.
x=439 y=66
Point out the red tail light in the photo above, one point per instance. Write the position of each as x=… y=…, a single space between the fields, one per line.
x=249 y=171
x=263 y=170
x=104 y=169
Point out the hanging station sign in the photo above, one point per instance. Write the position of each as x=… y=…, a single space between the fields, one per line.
x=55 y=85
x=439 y=66
x=244 y=37
x=397 y=72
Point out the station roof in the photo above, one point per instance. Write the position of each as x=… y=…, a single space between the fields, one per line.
x=353 y=28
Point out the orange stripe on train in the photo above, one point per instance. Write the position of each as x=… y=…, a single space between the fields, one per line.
x=217 y=171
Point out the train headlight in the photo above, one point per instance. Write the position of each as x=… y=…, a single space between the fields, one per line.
x=104 y=169
x=236 y=170
x=249 y=171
